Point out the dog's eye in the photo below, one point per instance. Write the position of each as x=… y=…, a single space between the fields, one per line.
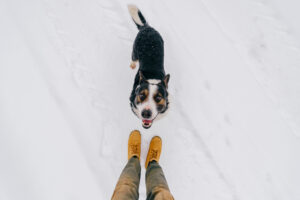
x=142 y=96
x=158 y=98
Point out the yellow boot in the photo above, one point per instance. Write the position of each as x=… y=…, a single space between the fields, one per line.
x=134 y=144
x=154 y=150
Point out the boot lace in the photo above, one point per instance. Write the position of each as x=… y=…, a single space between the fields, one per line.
x=153 y=153
x=134 y=149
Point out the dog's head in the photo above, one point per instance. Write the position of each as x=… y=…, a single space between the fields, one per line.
x=150 y=99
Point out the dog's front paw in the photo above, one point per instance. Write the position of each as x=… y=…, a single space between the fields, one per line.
x=133 y=65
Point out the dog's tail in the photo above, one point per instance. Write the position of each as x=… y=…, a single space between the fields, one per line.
x=137 y=16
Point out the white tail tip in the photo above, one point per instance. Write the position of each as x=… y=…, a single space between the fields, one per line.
x=133 y=10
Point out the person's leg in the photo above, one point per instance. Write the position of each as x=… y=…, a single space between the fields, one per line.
x=157 y=186
x=156 y=183
x=128 y=184
x=129 y=181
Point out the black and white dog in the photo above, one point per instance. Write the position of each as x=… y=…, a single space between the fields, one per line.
x=149 y=96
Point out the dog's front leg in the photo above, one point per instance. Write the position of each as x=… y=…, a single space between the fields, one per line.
x=133 y=64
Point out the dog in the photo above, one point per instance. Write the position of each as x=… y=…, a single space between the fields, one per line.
x=149 y=98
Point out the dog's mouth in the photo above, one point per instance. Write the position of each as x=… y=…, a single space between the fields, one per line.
x=147 y=123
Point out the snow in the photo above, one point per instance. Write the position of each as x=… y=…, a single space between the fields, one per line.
x=233 y=128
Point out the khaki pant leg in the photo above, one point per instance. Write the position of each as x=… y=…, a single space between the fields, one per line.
x=129 y=181
x=156 y=183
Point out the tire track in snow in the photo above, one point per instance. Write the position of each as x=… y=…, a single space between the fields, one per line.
x=268 y=20
x=269 y=25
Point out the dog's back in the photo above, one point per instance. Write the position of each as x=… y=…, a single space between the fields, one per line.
x=148 y=47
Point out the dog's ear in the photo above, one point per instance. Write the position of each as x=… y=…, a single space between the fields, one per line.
x=166 y=80
x=142 y=77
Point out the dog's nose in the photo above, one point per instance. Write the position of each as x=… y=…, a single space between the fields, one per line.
x=146 y=113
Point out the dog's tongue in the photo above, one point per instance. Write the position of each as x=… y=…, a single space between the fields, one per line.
x=147 y=121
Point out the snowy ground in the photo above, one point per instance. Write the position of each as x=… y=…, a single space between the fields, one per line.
x=233 y=130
